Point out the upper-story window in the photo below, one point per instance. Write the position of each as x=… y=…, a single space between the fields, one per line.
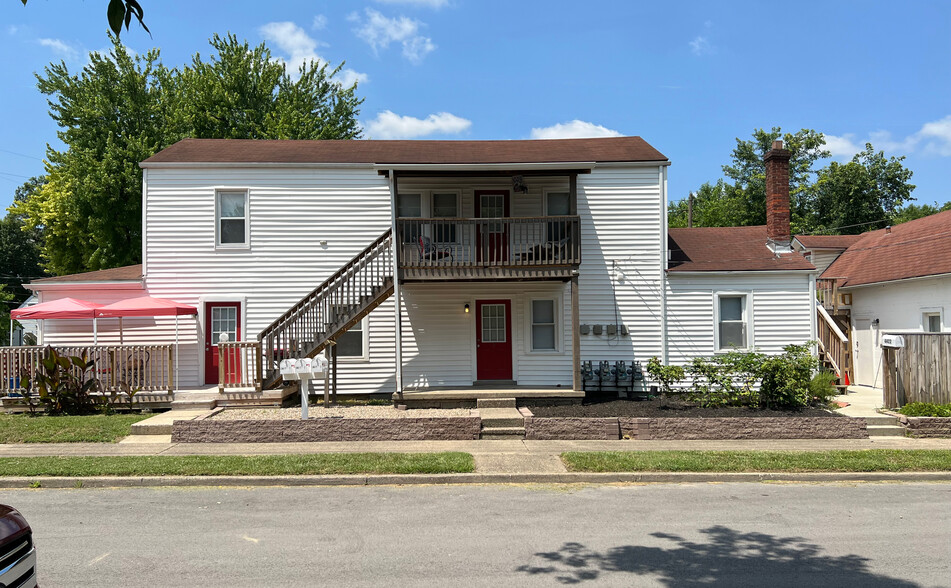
x=410 y=206
x=231 y=213
x=557 y=204
x=445 y=206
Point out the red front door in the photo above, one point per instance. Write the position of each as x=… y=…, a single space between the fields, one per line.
x=221 y=317
x=494 y=339
x=492 y=239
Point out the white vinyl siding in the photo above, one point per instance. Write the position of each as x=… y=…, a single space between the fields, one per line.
x=778 y=309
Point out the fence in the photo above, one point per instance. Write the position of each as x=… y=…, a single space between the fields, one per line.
x=148 y=368
x=240 y=365
x=918 y=372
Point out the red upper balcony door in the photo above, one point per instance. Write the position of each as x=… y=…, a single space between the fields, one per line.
x=494 y=339
x=492 y=239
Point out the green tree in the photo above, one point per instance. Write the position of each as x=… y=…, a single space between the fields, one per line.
x=852 y=197
x=714 y=205
x=120 y=110
x=911 y=212
x=120 y=12
x=6 y=304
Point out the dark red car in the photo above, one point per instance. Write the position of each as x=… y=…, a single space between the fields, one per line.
x=17 y=554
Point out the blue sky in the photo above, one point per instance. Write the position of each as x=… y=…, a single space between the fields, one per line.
x=689 y=77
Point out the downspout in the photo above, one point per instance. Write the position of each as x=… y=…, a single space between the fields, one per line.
x=663 y=265
x=394 y=237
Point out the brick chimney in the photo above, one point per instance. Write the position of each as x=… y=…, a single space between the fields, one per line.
x=777 y=199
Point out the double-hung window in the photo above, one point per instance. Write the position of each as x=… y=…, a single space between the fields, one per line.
x=231 y=212
x=558 y=204
x=732 y=330
x=410 y=206
x=445 y=206
x=543 y=325
x=352 y=343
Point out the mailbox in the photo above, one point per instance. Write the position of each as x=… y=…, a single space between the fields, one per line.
x=289 y=369
x=893 y=341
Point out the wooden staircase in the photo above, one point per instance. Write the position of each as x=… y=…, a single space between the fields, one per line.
x=834 y=347
x=331 y=309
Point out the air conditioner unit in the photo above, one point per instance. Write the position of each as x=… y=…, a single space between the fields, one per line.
x=893 y=341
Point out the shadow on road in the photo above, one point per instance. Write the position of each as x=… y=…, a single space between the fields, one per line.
x=728 y=558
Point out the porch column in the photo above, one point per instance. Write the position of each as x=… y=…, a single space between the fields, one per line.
x=396 y=285
x=576 y=383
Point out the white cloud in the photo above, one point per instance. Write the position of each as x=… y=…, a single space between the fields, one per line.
x=937 y=136
x=12 y=29
x=389 y=125
x=701 y=46
x=60 y=47
x=576 y=129
x=933 y=138
x=320 y=23
x=301 y=48
x=420 y=3
x=379 y=32
x=843 y=147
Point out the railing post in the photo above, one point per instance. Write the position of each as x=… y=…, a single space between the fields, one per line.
x=221 y=369
x=171 y=370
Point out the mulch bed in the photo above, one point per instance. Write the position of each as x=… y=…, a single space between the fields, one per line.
x=673 y=408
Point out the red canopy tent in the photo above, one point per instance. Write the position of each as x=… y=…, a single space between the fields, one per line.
x=148 y=306
x=64 y=308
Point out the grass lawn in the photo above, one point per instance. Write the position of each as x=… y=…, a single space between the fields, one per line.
x=870 y=460
x=21 y=428
x=240 y=465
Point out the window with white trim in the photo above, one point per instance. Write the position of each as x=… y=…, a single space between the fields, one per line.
x=231 y=217
x=931 y=322
x=732 y=328
x=445 y=205
x=410 y=206
x=557 y=204
x=352 y=343
x=543 y=325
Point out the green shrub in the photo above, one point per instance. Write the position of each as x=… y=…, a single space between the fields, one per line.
x=822 y=387
x=926 y=409
x=726 y=380
x=65 y=384
x=787 y=378
x=667 y=375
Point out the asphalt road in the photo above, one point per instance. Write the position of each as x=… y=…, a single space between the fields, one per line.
x=679 y=535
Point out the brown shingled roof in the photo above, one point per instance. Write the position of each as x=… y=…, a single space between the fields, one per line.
x=125 y=273
x=914 y=249
x=407 y=152
x=718 y=249
x=827 y=241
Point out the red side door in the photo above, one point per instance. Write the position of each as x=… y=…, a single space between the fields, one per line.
x=494 y=339
x=221 y=317
x=492 y=239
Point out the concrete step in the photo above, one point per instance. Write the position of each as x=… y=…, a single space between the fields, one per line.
x=886 y=431
x=495 y=403
x=501 y=417
x=194 y=404
x=161 y=424
x=503 y=433
x=881 y=420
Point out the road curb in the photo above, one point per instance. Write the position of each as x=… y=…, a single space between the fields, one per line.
x=452 y=479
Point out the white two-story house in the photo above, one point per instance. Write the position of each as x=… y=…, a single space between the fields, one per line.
x=511 y=263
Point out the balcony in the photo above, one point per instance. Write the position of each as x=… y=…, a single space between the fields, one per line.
x=539 y=248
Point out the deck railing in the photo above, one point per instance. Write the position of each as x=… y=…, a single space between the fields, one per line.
x=828 y=294
x=148 y=368
x=240 y=365
x=490 y=242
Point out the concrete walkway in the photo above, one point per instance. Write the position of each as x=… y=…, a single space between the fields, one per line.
x=863 y=401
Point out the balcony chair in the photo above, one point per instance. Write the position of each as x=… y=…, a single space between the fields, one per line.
x=430 y=252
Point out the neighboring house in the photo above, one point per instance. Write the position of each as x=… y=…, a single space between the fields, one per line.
x=893 y=280
x=518 y=260
x=822 y=250
x=740 y=287
x=27 y=327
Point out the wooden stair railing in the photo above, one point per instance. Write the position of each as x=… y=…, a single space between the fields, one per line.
x=833 y=345
x=332 y=308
